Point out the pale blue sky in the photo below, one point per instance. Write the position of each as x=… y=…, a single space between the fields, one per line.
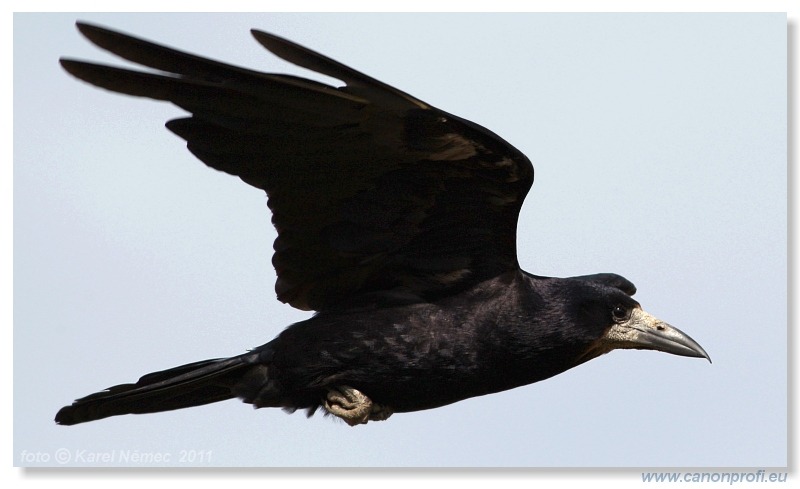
x=659 y=143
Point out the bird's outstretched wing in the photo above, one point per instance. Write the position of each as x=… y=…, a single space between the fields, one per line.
x=371 y=190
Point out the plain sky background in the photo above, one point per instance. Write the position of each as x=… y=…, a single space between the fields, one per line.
x=659 y=143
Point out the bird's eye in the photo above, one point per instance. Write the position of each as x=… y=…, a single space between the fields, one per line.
x=620 y=313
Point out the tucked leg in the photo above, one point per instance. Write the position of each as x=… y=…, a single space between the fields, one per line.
x=353 y=406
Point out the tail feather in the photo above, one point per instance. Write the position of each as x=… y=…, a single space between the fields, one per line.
x=189 y=385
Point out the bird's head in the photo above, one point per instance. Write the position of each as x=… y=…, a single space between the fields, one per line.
x=606 y=313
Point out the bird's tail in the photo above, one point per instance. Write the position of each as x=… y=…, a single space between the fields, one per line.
x=189 y=385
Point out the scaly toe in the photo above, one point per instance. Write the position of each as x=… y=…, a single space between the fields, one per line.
x=349 y=404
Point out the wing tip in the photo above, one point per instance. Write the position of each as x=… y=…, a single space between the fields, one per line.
x=95 y=33
x=78 y=69
x=262 y=36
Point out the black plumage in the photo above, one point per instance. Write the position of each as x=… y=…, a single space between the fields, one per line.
x=396 y=223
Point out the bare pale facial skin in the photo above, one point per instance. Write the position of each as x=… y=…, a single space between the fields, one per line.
x=643 y=331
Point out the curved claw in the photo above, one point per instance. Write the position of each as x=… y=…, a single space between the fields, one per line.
x=353 y=406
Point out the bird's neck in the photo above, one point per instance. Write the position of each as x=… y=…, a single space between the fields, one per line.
x=526 y=340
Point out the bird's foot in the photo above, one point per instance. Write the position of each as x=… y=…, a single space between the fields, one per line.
x=353 y=406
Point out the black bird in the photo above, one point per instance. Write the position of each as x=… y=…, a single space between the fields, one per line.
x=396 y=223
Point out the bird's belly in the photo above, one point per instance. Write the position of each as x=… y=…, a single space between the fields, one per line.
x=413 y=384
x=411 y=359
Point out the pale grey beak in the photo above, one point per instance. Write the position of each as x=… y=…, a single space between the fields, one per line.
x=645 y=332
